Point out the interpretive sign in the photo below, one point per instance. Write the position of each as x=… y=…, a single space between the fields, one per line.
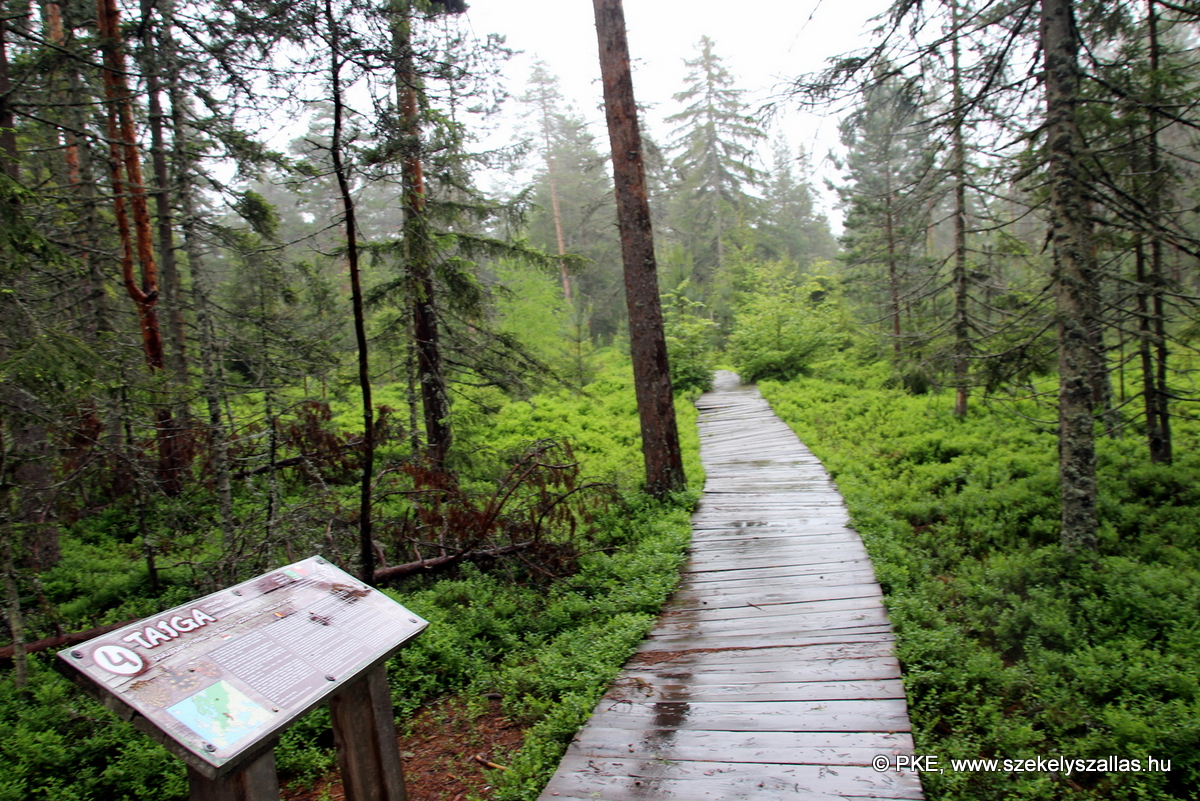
x=216 y=678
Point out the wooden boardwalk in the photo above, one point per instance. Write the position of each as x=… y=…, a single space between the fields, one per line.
x=771 y=673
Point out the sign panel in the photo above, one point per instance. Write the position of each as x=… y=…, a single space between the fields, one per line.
x=222 y=674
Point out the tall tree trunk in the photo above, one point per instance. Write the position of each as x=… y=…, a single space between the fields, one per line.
x=126 y=171
x=25 y=461
x=81 y=181
x=418 y=247
x=366 y=546
x=552 y=178
x=962 y=324
x=651 y=372
x=8 y=132
x=1102 y=392
x=80 y=178
x=558 y=226
x=209 y=350
x=158 y=51
x=1154 y=433
x=892 y=262
x=1158 y=402
x=1074 y=277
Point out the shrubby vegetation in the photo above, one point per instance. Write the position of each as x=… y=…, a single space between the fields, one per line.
x=548 y=646
x=1011 y=647
x=690 y=340
x=550 y=652
x=783 y=324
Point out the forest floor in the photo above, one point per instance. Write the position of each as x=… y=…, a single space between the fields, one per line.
x=445 y=745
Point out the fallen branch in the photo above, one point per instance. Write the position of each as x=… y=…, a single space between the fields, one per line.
x=443 y=562
x=61 y=641
x=292 y=461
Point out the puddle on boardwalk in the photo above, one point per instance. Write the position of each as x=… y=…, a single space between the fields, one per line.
x=672 y=714
x=668 y=717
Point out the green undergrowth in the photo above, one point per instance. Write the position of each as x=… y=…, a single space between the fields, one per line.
x=547 y=645
x=1011 y=648
x=548 y=651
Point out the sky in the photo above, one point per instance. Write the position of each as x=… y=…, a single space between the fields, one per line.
x=762 y=44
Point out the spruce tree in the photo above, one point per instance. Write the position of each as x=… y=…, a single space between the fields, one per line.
x=789 y=224
x=712 y=168
x=890 y=180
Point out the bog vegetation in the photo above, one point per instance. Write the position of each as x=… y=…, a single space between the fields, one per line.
x=219 y=354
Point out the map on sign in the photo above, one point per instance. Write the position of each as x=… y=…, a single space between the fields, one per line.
x=218 y=676
x=221 y=714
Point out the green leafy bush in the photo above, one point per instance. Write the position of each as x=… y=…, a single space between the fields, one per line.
x=1011 y=648
x=550 y=652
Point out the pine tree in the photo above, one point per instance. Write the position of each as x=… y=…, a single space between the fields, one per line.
x=544 y=96
x=574 y=207
x=647 y=344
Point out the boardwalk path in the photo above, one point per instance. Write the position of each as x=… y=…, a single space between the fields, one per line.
x=771 y=674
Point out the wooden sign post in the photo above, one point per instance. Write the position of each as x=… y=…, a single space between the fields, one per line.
x=217 y=680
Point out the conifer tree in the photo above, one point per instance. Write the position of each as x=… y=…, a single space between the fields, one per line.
x=647 y=343
x=789 y=224
x=575 y=208
x=889 y=169
x=544 y=96
x=712 y=168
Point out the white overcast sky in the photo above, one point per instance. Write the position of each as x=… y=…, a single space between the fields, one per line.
x=761 y=43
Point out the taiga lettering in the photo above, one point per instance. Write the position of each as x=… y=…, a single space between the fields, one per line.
x=166 y=630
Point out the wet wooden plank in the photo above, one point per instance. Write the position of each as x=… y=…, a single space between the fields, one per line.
x=800 y=519
x=800 y=535
x=781 y=748
x=881 y=714
x=709 y=573
x=783 y=551
x=786 y=576
x=737 y=657
x=689 y=600
x=822 y=576
x=702 y=667
x=845 y=633
x=629 y=779
x=813 y=587
x=772 y=673
x=762 y=626
x=873 y=669
x=849 y=561
x=707 y=674
x=656 y=689
x=750 y=612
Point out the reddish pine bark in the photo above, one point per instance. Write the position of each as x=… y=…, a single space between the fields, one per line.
x=435 y=400
x=126 y=175
x=651 y=372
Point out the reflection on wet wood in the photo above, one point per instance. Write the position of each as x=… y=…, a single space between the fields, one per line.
x=772 y=672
